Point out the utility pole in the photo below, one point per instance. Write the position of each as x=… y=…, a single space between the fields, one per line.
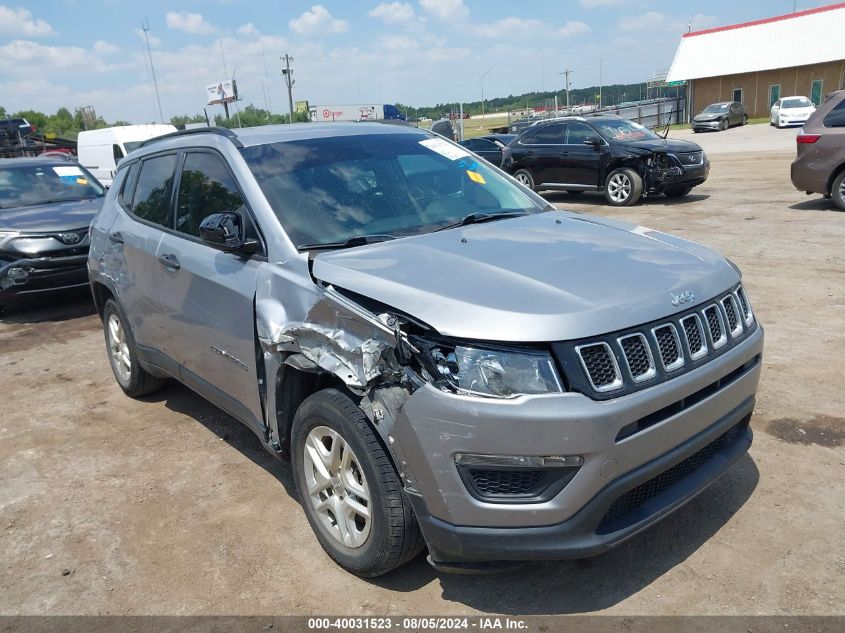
x=567 y=72
x=145 y=25
x=287 y=71
x=600 y=63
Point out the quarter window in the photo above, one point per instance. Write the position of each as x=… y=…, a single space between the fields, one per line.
x=836 y=117
x=151 y=201
x=205 y=187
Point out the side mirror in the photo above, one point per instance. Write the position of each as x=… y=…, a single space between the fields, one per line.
x=224 y=231
x=595 y=141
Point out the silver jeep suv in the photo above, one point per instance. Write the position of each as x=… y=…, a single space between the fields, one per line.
x=446 y=360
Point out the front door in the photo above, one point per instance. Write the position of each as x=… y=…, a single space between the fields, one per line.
x=208 y=294
x=580 y=164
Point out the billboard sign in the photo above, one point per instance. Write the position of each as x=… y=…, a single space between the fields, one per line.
x=222 y=92
x=356 y=112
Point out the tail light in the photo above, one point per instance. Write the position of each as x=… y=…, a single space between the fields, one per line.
x=805 y=139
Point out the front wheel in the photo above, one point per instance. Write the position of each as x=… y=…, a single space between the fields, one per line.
x=623 y=187
x=744 y=119
x=837 y=191
x=723 y=125
x=524 y=177
x=349 y=489
x=120 y=345
x=676 y=192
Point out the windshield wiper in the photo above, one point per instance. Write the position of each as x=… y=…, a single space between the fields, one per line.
x=478 y=217
x=355 y=240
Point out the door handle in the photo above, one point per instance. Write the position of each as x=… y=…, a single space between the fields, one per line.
x=170 y=261
x=116 y=237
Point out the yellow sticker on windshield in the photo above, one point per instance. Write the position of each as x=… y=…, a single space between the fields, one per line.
x=476 y=177
x=81 y=181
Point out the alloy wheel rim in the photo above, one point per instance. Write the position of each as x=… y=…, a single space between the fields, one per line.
x=619 y=187
x=842 y=189
x=522 y=179
x=337 y=488
x=118 y=349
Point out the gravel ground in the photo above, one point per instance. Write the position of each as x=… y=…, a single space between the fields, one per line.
x=167 y=506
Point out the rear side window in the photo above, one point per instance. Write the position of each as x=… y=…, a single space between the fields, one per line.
x=206 y=187
x=151 y=201
x=836 y=117
x=550 y=135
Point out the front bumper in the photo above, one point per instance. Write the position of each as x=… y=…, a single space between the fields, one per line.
x=706 y=125
x=41 y=274
x=686 y=176
x=434 y=427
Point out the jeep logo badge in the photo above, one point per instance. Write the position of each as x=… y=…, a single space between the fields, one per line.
x=684 y=297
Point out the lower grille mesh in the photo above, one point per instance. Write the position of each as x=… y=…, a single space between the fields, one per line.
x=506 y=482
x=636 y=497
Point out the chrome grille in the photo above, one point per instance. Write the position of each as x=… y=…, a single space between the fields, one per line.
x=600 y=365
x=734 y=324
x=695 y=336
x=718 y=337
x=638 y=357
x=690 y=158
x=669 y=346
x=747 y=314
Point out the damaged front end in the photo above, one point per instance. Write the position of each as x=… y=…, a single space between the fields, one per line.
x=667 y=170
x=38 y=263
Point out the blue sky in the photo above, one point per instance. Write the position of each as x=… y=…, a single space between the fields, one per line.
x=90 y=52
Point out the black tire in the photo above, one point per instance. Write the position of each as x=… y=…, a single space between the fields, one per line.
x=837 y=191
x=138 y=382
x=526 y=178
x=744 y=119
x=394 y=537
x=723 y=125
x=676 y=192
x=634 y=190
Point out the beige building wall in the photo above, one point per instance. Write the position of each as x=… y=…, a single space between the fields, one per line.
x=756 y=86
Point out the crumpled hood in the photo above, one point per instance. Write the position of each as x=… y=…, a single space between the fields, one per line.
x=703 y=118
x=50 y=218
x=546 y=277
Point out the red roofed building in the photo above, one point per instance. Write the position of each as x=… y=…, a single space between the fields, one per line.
x=758 y=62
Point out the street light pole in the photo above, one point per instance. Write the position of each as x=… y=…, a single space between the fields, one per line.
x=288 y=73
x=483 y=75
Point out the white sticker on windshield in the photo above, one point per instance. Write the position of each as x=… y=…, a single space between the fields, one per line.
x=67 y=171
x=444 y=148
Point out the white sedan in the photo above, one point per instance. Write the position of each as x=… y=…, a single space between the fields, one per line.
x=791 y=111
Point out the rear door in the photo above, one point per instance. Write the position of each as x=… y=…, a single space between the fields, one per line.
x=135 y=237
x=208 y=294
x=541 y=151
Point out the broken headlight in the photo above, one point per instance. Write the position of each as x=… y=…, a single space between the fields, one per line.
x=492 y=372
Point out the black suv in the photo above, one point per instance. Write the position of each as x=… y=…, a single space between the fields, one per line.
x=604 y=153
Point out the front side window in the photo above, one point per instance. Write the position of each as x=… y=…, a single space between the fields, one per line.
x=331 y=189
x=578 y=133
x=205 y=187
x=151 y=201
x=36 y=184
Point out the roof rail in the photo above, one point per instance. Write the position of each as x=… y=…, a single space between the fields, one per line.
x=220 y=131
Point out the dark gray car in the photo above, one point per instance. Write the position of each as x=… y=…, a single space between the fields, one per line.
x=447 y=361
x=720 y=116
x=46 y=205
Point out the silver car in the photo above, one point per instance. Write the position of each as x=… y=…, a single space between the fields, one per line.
x=446 y=360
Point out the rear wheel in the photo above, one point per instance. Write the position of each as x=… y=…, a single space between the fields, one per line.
x=120 y=345
x=524 y=177
x=349 y=489
x=837 y=191
x=676 y=192
x=623 y=187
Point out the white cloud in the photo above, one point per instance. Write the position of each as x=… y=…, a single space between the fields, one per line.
x=104 y=48
x=573 y=28
x=318 y=20
x=26 y=58
x=592 y=4
x=398 y=42
x=192 y=23
x=19 y=22
x=393 y=12
x=654 y=21
x=247 y=29
x=445 y=9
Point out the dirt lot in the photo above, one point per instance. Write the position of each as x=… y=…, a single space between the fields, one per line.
x=167 y=506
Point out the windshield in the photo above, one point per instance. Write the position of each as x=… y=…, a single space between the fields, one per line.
x=33 y=184
x=622 y=130
x=333 y=189
x=796 y=103
x=716 y=107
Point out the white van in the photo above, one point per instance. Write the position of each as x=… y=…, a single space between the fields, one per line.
x=100 y=150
